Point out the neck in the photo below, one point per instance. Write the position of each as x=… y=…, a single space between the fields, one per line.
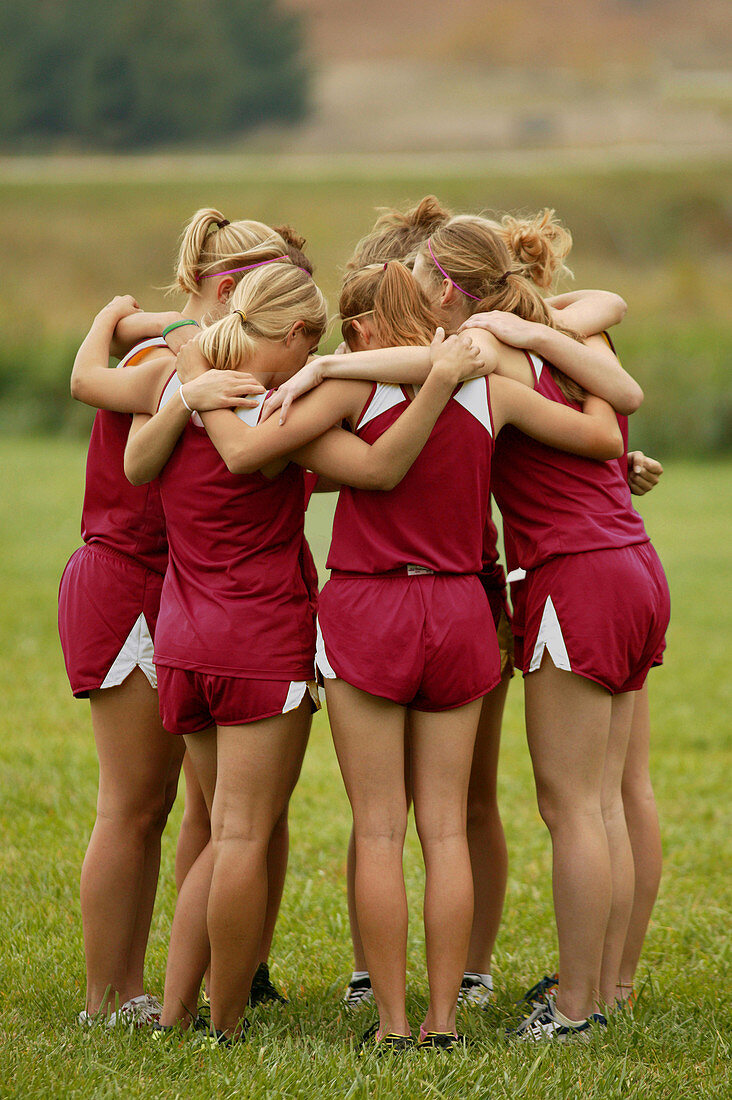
x=199 y=306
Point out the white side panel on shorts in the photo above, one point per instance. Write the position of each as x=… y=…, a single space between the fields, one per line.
x=473 y=396
x=386 y=397
x=321 y=657
x=137 y=652
x=295 y=695
x=550 y=638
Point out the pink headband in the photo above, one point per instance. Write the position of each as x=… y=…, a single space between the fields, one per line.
x=437 y=265
x=236 y=270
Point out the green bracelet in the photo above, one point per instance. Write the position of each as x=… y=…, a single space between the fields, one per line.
x=178 y=324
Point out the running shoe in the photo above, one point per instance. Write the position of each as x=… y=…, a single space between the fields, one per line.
x=214 y=1038
x=139 y=1011
x=474 y=992
x=545 y=1023
x=358 y=993
x=539 y=994
x=439 y=1040
x=394 y=1044
x=263 y=990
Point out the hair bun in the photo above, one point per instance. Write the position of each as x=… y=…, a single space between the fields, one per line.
x=540 y=244
x=290 y=235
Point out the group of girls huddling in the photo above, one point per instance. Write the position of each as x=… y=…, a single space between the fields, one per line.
x=191 y=616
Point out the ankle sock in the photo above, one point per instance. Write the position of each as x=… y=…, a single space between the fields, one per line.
x=566 y=1020
x=359 y=975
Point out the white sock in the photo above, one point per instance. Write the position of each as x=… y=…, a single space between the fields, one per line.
x=566 y=1020
x=359 y=975
x=486 y=979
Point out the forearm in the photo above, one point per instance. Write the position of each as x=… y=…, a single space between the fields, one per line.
x=588 y=311
x=139 y=326
x=152 y=440
x=593 y=366
x=343 y=458
x=91 y=358
x=409 y=365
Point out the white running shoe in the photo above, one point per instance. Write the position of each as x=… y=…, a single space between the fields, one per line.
x=547 y=1023
x=474 y=992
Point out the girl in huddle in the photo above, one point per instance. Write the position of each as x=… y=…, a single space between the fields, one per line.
x=596 y=611
x=398 y=235
x=108 y=606
x=236 y=638
x=405 y=573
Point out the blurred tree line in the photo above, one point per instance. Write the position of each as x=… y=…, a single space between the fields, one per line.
x=140 y=72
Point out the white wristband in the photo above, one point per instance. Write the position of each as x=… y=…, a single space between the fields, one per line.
x=180 y=391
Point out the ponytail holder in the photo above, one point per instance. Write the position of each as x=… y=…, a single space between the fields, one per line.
x=241 y=313
x=386 y=265
x=222 y=224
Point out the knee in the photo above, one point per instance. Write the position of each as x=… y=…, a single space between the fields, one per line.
x=559 y=807
x=143 y=820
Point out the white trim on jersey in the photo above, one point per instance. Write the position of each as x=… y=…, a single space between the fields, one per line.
x=171 y=388
x=536 y=363
x=516 y=575
x=473 y=396
x=387 y=395
x=137 y=652
x=153 y=342
x=550 y=638
x=251 y=416
x=321 y=657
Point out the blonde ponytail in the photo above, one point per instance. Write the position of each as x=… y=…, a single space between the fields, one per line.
x=211 y=244
x=264 y=306
x=401 y=311
x=475 y=255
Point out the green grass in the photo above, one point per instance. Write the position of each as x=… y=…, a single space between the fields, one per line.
x=676 y=1047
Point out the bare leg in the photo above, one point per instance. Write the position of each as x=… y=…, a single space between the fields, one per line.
x=621 y=855
x=189 y=952
x=258 y=766
x=277 y=853
x=368 y=733
x=195 y=828
x=442 y=751
x=486 y=840
x=645 y=837
x=568 y=724
x=135 y=759
x=359 y=957
x=152 y=870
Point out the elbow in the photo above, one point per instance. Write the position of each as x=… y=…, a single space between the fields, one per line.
x=612 y=446
x=621 y=307
x=239 y=464
x=135 y=474
x=384 y=479
x=77 y=389
x=632 y=399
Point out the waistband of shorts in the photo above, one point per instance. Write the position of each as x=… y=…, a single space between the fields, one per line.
x=113 y=552
x=402 y=571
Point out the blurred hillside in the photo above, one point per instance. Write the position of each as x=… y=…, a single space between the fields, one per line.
x=476 y=74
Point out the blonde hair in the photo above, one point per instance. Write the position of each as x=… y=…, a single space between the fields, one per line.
x=211 y=244
x=264 y=306
x=402 y=313
x=500 y=265
x=397 y=234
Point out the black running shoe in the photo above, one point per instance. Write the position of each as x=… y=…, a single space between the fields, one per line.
x=263 y=991
x=539 y=994
x=389 y=1043
x=439 y=1040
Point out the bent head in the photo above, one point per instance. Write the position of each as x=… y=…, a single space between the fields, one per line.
x=381 y=306
x=276 y=319
x=215 y=254
x=472 y=264
x=397 y=234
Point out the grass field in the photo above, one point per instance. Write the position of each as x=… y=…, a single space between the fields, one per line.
x=677 y=1045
